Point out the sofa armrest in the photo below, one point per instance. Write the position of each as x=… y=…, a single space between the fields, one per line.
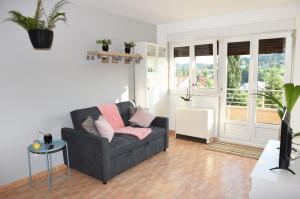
x=87 y=152
x=163 y=122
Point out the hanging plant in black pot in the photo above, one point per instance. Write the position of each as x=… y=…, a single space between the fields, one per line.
x=39 y=27
x=128 y=46
x=41 y=38
x=105 y=44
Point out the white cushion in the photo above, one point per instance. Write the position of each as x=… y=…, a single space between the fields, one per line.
x=104 y=128
x=142 y=117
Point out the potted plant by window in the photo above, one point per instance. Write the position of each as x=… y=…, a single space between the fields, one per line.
x=292 y=93
x=39 y=27
x=105 y=44
x=128 y=46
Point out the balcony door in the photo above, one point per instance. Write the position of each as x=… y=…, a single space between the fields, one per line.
x=251 y=64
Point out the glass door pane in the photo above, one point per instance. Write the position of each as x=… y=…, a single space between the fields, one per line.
x=162 y=68
x=151 y=67
x=238 y=57
x=271 y=64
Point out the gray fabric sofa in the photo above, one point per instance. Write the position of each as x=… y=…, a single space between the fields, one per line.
x=95 y=156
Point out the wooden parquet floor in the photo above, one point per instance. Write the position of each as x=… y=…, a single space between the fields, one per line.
x=186 y=171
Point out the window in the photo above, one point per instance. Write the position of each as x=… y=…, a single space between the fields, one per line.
x=182 y=66
x=204 y=67
x=193 y=62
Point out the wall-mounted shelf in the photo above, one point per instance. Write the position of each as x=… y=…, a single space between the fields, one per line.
x=115 y=57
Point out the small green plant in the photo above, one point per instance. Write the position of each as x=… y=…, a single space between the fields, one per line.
x=40 y=20
x=104 y=42
x=129 y=44
x=292 y=94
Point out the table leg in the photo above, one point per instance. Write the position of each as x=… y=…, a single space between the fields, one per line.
x=49 y=179
x=50 y=158
x=67 y=151
x=29 y=168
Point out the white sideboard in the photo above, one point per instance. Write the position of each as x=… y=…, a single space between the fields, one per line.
x=275 y=184
x=194 y=122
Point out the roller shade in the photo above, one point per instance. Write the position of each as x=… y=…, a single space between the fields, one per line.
x=204 y=50
x=238 y=48
x=182 y=51
x=269 y=46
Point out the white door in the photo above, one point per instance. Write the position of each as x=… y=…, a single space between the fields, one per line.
x=250 y=64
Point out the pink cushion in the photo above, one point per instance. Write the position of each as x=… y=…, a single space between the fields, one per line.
x=111 y=113
x=104 y=128
x=142 y=117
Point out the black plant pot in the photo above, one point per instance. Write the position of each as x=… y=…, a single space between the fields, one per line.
x=105 y=48
x=127 y=50
x=41 y=38
x=47 y=138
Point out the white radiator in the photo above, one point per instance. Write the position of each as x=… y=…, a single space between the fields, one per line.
x=194 y=122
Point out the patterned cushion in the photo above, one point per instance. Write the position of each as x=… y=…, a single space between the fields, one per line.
x=89 y=125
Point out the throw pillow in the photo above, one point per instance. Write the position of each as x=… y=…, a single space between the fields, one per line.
x=89 y=125
x=104 y=128
x=142 y=117
x=132 y=111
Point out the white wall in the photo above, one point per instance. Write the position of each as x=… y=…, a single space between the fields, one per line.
x=38 y=89
x=235 y=24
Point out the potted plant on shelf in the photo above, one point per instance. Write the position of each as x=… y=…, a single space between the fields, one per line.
x=39 y=27
x=128 y=46
x=105 y=44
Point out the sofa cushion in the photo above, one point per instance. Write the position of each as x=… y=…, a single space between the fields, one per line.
x=156 y=133
x=89 y=125
x=124 y=110
x=104 y=128
x=118 y=146
x=142 y=117
x=78 y=116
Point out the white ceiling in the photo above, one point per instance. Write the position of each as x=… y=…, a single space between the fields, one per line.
x=168 y=11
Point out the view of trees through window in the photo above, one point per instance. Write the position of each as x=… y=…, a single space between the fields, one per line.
x=204 y=71
x=201 y=73
x=270 y=75
x=237 y=79
x=182 y=65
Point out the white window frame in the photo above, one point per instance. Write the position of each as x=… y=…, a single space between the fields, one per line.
x=172 y=71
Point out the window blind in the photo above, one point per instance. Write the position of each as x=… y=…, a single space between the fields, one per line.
x=269 y=46
x=182 y=51
x=238 y=48
x=204 y=50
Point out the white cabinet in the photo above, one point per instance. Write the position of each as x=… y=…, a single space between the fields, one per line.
x=194 y=122
x=151 y=77
x=275 y=184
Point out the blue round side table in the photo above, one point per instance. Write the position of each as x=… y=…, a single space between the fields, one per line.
x=58 y=145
